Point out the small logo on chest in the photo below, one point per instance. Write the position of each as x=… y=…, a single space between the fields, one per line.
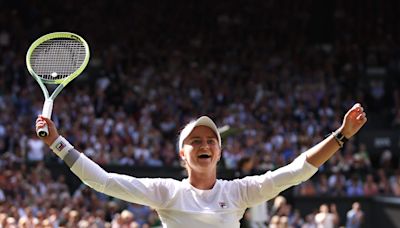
x=223 y=205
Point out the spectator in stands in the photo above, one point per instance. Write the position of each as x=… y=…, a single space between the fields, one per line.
x=127 y=219
x=278 y=207
x=370 y=186
x=154 y=220
x=322 y=185
x=364 y=157
x=295 y=219
x=355 y=216
x=383 y=183
x=395 y=182
x=386 y=161
x=141 y=213
x=35 y=149
x=307 y=189
x=73 y=218
x=354 y=186
x=337 y=183
x=334 y=211
x=326 y=218
x=283 y=221
x=309 y=221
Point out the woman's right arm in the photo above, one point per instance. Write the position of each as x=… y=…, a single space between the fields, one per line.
x=147 y=191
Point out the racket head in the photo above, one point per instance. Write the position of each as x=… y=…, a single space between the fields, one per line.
x=57 y=58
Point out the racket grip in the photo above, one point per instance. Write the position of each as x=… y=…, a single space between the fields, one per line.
x=43 y=132
x=46 y=112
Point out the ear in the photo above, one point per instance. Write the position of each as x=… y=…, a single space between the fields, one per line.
x=182 y=154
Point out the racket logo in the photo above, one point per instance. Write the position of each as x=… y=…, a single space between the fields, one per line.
x=74 y=37
x=60 y=146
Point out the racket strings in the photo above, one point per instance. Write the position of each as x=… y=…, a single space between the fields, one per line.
x=57 y=58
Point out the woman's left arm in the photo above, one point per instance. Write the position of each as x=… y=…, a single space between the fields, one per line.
x=354 y=119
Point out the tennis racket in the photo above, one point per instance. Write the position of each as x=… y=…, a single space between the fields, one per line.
x=56 y=58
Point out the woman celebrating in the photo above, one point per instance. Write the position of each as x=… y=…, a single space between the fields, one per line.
x=202 y=200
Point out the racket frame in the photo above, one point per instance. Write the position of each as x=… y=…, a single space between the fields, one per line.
x=49 y=99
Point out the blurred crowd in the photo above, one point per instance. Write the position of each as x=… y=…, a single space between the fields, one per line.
x=282 y=214
x=31 y=198
x=279 y=75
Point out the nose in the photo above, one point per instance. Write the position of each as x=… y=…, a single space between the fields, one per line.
x=204 y=145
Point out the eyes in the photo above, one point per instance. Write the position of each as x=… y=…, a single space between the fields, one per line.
x=198 y=142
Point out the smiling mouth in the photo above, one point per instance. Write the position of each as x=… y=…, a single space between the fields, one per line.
x=204 y=156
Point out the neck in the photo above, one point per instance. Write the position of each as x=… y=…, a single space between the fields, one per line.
x=203 y=181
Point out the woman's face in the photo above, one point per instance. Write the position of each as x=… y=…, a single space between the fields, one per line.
x=201 y=151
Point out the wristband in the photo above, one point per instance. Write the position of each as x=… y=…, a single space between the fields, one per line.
x=61 y=147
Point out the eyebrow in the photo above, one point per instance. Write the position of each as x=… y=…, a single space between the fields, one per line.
x=198 y=137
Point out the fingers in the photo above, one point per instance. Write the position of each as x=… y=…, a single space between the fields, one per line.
x=357 y=107
x=46 y=120
x=40 y=124
x=357 y=112
x=362 y=117
x=356 y=115
x=43 y=118
x=42 y=121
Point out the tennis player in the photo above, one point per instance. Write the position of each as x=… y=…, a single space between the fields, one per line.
x=202 y=200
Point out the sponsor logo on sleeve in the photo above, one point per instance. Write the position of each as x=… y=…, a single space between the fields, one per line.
x=60 y=146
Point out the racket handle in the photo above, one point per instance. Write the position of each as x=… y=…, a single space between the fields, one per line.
x=46 y=112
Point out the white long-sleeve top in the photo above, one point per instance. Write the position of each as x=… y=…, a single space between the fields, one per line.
x=179 y=204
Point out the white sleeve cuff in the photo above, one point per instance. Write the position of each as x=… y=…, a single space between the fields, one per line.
x=61 y=147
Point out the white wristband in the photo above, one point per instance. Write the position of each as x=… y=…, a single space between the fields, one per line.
x=61 y=147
